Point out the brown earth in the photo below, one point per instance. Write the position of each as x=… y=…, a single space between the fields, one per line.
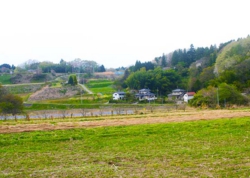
x=179 y=116
x=53 y=93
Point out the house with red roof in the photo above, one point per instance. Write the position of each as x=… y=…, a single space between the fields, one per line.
x=188 y=96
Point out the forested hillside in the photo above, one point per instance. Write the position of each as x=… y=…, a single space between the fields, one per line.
x=233 y=54
x=197 y=69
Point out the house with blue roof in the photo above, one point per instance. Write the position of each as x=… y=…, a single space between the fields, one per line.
x=145 y=94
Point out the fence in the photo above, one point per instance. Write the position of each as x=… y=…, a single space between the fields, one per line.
x=101 y=111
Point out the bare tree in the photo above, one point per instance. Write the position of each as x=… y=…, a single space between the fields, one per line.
x=100 y=111
x=83 y=111
x=64 y=113
x=27 y=117
x=44 y=114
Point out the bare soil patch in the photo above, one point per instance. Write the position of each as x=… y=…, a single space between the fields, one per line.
x=53 y=93
x=131 y=120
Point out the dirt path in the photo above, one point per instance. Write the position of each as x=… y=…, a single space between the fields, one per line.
x=148 y=119
x=86 y=89
x=35 y=94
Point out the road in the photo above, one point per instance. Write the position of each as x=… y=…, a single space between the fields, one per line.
x=85 y=89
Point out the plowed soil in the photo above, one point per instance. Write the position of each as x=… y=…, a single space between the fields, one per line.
x=178 y=116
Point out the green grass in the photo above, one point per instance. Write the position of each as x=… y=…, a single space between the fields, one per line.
x=76 y=104
x=56 y=84
x=216 y=148
x=50 y=106
x=5 y=79
x=101 y=86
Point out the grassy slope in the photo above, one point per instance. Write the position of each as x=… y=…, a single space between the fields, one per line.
x=218 y=148
x=101 y=86
x=5 y=79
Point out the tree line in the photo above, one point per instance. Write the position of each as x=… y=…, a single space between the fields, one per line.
x=74 y=66
x=202 y=70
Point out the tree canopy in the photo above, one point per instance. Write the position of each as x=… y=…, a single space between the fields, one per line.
x=156 y=80
x=9 y=103
x=138 y=65
x=75 y=66
x=72 y=80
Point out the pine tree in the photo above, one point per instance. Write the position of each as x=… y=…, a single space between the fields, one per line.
x=163 y=61
x=75 y=80
x=102 y=68
x=71 y=81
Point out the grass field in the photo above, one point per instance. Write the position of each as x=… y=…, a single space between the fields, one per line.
x=5 y=79
x=215 y=148
x=101 y=86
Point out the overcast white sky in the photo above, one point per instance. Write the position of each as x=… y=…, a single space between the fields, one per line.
x=115 y=32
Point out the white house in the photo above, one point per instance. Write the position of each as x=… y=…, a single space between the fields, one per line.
x=118 y=95
x=188 y=96
x=177 y=94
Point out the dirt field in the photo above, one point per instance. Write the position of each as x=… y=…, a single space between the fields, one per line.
x=177 y=116
x=53 y=93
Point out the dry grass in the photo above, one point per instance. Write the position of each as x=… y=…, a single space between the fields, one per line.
x=121 y=120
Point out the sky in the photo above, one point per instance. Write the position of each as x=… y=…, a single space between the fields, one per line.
x=115 y=33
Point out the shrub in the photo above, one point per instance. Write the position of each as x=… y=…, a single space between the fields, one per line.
x=72 y=80
x=217 y=97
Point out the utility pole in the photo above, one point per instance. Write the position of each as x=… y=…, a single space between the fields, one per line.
x=80 y=83
x=218 y=99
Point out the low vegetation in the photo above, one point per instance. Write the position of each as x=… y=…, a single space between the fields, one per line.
x=9 y=103
x=101 y=86
x=223 y=96
x=5 y=79
x=216 y=148
x=24 y=88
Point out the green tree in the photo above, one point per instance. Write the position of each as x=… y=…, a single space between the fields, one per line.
x=163 y=60
x=75 y=80
x=205 y=97
x=9 y=103
x=206 y=75
x=191 y=55
x=163 y=80
x=223 y=95
x=72 y=80
x=229 y=95
x=102 y=69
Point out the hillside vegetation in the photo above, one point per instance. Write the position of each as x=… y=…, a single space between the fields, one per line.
x=202 y=70
x=233 y=54
x=101 y=86
x=5 y=79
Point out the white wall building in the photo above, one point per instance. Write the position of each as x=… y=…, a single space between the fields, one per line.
x=118 y=95
x=188 y=96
